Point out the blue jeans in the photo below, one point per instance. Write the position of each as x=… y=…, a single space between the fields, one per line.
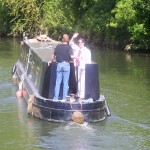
x=62 y=74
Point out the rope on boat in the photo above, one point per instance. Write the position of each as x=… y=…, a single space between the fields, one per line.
x=107 y=109
x=77 y=116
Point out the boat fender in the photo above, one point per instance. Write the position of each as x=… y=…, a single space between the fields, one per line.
x=13 y=69
x=78 y=117
x=24 y=93
x=30 y=104
x=19 y=93
x=107 y=110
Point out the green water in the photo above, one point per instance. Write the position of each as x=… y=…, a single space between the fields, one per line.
x=125 y=82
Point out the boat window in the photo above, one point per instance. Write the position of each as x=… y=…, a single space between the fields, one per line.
x=37 y=76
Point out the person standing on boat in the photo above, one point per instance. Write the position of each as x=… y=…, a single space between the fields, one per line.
x=75 y=47
x=84 y=55
x=63 y=54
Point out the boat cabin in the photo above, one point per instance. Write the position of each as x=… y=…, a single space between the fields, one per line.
x=35 y=56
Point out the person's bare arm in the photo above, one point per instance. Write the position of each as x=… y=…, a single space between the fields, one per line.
x=73 y=37
x=51 y=59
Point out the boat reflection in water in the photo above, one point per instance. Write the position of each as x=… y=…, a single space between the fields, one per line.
x=36 y=82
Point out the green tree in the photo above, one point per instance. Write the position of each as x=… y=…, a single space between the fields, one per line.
x=141 y=28
x=133 y=16
x=109 y=22
x=25 y=14
x=4 y=19
x=57 y=16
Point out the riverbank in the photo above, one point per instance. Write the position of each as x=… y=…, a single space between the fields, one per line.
x=91 y=42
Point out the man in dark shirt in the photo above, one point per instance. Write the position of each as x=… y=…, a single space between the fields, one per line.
x=63 y=54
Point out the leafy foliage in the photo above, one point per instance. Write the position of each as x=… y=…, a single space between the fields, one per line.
x=57 y=16
x=4 y=19
x=134 y=17
x=25 y=15
x=117 y=22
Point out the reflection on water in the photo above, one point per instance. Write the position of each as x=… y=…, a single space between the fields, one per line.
x=125 y=82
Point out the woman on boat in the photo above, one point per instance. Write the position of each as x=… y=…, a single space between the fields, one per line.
x=76 y=52
x=83 y=56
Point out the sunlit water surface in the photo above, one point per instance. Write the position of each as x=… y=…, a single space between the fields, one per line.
x=125 y=82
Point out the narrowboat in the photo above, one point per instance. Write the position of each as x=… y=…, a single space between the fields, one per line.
x=36 y=82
